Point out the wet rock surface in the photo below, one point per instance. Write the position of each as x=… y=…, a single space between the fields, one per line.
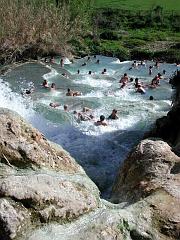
x=24 y=146
x=148 y=180
x=147 y=169
x=39 y=181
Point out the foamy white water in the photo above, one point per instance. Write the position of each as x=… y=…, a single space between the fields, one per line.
x=100 y=150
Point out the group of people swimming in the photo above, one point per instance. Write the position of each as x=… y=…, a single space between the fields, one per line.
x=139 y=86
x=86 y=113
x=53 y=87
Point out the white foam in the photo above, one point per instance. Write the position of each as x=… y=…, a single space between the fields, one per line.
x=94 y=82
x=51 y=74
x=14 y=101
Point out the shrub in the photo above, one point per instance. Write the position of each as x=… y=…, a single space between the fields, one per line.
x=113 y=49
x=169 y=55
x=141 y=54
x=110 y=35
x=131 y=43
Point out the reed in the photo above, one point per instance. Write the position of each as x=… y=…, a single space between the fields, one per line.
x=38 y=24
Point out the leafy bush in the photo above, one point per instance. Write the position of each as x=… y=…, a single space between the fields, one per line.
x=169 y=55
x=141 y=54
x=113 y=48
x=110 y=35
x=131 y=43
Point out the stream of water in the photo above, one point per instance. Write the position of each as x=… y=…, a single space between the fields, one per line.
x=99 y=149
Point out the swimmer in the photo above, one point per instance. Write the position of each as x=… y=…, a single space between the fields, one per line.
x=72 y=93
x=78 y=71
x=164 y=71
x=54 y=105
x=104 y=71
x=45 y=84
x=134 y=64
x=155 y=81
x=65 y=75
x=101 y=121
x=29 y=91
x=69 y=92
x=88 y=58
x=45 y=60
x=90 y=72
x=159 y=75
x=84 y=117
x=131 y=79
x=143 y=63
x=98 y=61
x=65 y=108
x=140 y=89
x=113 y=115
x=151 y=98
x=157 y=64
x=84 y=64
x=86 y=109
x=53 y=87
x=137 y=83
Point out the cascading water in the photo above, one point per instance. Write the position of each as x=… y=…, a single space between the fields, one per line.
x=99 y=149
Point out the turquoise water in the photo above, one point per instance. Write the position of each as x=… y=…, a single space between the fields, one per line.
x=100 y=150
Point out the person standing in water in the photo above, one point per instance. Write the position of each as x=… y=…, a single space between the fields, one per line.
x=62 y=62
x=124 y=81
x=150 y=70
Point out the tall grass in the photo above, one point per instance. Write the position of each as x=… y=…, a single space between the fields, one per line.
x=38 y=23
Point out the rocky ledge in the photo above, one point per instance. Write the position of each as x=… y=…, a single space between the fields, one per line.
x=39 y=181
x=45 y=194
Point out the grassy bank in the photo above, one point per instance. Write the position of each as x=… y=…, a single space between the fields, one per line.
x=168 y=5
x=126 y=29
x=134 y=32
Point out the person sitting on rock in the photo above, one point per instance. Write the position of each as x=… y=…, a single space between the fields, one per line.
x=101 y=121
x=113 y=115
